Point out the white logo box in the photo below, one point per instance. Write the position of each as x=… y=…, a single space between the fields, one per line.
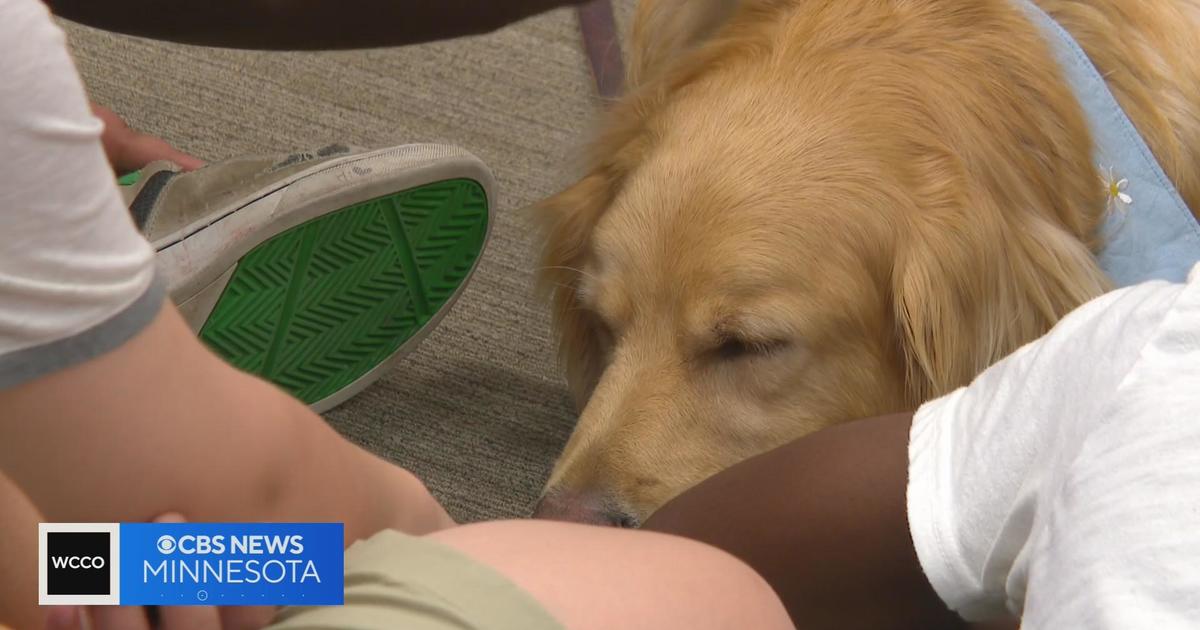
x=113 y=598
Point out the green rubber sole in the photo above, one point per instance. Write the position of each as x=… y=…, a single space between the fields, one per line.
x=316 y=308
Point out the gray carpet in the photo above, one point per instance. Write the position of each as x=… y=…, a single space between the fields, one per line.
x=480 y=410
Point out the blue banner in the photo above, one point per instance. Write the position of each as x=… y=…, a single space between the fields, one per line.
x=228 y=564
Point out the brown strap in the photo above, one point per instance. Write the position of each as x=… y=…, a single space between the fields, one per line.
x=603 y=47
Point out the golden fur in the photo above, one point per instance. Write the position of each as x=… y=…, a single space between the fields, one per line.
x=806 y=212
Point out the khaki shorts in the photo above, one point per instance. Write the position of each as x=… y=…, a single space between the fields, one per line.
x=395 y=581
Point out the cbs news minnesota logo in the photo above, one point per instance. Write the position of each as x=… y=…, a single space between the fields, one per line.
x=182 y=564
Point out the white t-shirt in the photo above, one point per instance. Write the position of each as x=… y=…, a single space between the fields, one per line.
x=1063 y=485
x=76 y=277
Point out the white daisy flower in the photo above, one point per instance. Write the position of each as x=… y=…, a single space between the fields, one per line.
x=1116 y=189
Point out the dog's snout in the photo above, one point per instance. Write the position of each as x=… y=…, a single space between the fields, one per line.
x=582 y=507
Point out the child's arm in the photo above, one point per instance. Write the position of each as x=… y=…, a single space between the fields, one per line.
x=18 y=559
x=162 y=425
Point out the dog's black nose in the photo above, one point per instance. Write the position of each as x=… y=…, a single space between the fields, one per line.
x=582 y=507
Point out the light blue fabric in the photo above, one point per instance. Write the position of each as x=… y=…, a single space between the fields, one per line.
x=1156 y=237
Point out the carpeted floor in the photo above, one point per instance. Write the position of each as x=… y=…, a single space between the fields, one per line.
x=480 y=410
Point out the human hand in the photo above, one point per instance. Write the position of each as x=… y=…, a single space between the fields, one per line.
x=134 y=618
x=129 y=150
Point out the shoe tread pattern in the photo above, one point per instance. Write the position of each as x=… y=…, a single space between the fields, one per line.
x=317 y=307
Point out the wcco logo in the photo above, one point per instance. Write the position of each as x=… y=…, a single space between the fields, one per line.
x=78 y=563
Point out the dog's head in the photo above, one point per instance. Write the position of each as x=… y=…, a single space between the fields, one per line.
x=758 y=252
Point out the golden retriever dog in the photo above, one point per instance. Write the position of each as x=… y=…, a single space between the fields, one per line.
x=811 y=211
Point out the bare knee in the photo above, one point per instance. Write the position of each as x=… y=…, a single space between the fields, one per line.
x=577 y=573
x=755 y=603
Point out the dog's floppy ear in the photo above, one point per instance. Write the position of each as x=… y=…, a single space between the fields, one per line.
x=568 y=218
x=970 y=290
x=567 y=221
x=664 y=30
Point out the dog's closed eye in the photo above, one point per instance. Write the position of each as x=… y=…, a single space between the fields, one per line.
x=737 y=348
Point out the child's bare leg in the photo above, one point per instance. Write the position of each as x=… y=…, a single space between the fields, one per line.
x=541 y=575
x=599 y=578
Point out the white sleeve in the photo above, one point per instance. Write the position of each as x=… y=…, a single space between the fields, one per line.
x=1037 y=490
x=76 y=278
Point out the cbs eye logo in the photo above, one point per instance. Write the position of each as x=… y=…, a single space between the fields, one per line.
x=165 y=544
x=78 y=564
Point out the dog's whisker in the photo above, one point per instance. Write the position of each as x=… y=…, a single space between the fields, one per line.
x=572 y=269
